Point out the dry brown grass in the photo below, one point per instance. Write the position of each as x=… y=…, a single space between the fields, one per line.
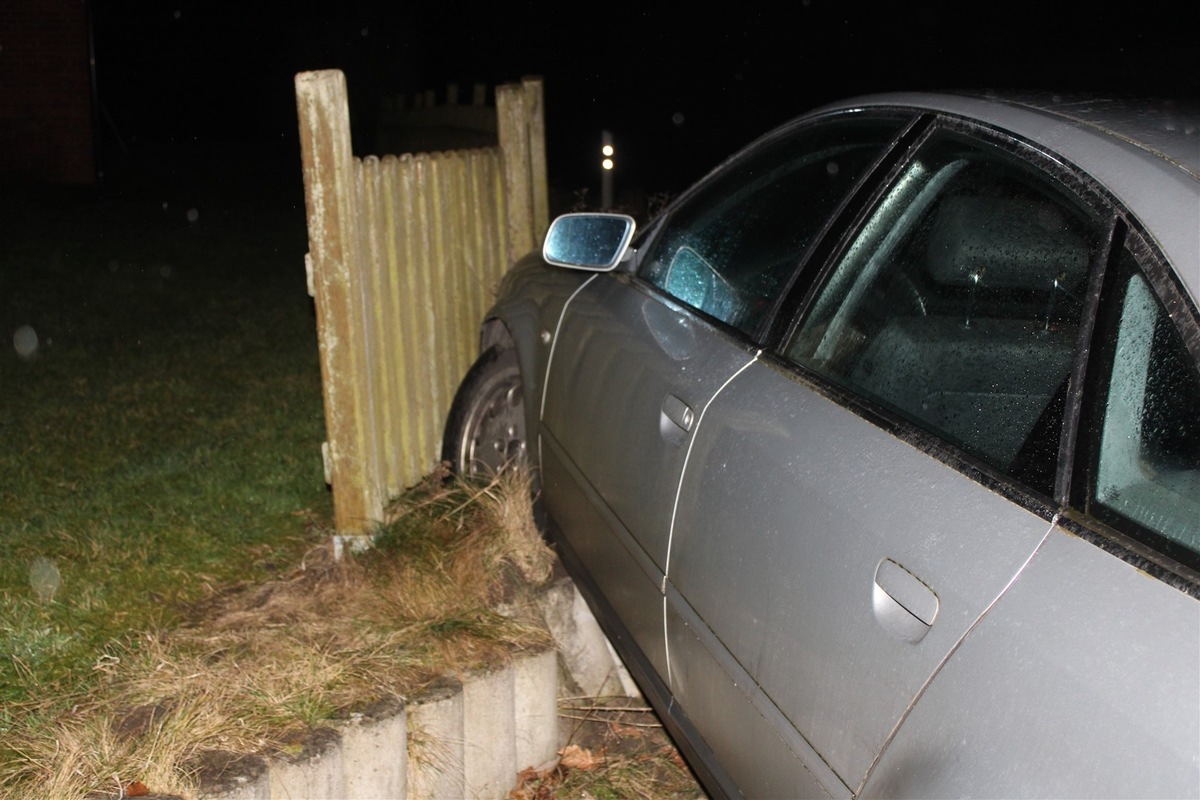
x=259 y=665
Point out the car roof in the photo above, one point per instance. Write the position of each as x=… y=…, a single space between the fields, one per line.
x=1144 y=152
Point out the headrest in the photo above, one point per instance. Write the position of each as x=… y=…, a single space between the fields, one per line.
x=1008 y=244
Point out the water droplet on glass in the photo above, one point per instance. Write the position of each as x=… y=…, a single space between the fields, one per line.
x=192 y=215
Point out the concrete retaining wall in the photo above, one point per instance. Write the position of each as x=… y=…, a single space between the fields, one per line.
x=460 y=740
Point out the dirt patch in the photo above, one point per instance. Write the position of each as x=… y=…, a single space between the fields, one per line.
x=613 y=747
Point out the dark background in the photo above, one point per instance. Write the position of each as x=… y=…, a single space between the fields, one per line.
x=679 y=85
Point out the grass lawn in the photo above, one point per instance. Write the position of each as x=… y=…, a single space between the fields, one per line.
x=161 y=420
x=164 y=436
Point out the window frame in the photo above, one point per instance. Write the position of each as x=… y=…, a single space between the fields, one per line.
x=1154 y=553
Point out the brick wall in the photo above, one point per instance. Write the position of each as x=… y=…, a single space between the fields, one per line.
x=46 y=131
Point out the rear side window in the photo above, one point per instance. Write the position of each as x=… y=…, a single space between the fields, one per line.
x=1146 y=470
x=731 y=248
x=958 y=304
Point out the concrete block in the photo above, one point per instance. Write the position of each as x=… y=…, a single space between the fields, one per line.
x=316 y=772
x=586 y=653
x=435 y=744
x=232 y=776
x=489 y=752
x=535 y=709
x=375 y=753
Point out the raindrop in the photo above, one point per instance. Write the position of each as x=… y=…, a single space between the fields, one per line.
x=677 y=118
x=832 y=168
x=166 y=270
x=192 y=215
x=114 y=265
x=365 y=31
x=25 y=341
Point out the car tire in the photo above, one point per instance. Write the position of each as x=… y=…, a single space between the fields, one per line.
x=485 y=430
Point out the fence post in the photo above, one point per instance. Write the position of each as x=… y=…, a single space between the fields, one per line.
x=335 y=245
x=536 y=123
x=513 y=132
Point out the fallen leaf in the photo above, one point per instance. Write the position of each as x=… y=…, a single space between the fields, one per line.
x=576 y=757
x=136 y=789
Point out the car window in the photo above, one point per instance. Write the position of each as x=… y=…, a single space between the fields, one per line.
x=958 y=304
x=731 y=247
x=1147 y=466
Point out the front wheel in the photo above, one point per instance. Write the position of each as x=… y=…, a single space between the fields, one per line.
x=485 y=430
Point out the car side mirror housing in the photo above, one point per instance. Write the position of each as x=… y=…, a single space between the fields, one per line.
x=594 y=242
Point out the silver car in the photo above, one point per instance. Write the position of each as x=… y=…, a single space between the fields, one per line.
x=878 y=453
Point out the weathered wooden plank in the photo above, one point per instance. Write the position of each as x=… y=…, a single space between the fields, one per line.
x=334 y=247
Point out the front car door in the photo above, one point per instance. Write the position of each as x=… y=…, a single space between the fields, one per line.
x=638 y=356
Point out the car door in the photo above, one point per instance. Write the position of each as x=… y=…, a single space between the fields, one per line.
x=1095 y=650
x=637 y=357
x=844 y=518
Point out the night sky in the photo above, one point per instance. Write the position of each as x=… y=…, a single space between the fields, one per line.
x=680 y=85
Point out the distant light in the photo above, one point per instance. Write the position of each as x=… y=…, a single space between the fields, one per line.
x=607 y=150
x=607 y=163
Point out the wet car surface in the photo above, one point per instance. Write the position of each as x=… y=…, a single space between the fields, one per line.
x=878 y=453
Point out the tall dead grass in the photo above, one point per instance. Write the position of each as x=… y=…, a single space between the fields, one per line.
x=258 y=666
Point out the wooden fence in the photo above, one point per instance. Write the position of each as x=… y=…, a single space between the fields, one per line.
x=417 y=122
x=404 y=256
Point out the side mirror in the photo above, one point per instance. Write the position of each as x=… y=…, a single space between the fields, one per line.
x=596 y=242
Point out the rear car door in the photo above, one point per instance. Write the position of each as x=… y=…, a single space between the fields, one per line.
x=848 y=510
x=637 y=357
x=1095 y=649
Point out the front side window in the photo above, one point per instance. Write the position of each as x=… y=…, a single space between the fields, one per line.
x=1147 y=468
x=958 y=304
x=731 y=248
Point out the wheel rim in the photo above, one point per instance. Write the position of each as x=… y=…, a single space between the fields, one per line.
x=495 y=428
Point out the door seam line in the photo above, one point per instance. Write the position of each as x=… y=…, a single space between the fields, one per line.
x=675 y=506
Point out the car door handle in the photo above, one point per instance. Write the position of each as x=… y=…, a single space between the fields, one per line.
x=678 y=412
x=903 y=603
x=675 y=420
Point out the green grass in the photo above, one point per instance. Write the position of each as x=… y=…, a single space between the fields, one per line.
x=165 y=439
x=162 y=448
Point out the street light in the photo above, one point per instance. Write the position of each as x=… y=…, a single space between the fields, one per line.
x=606 y=170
